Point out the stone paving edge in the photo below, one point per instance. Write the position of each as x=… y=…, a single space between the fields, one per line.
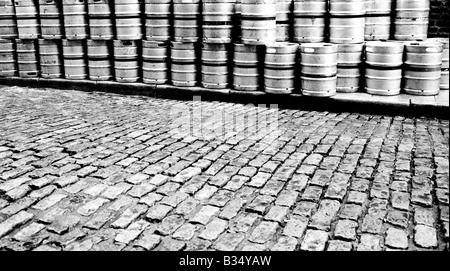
x=404 y=105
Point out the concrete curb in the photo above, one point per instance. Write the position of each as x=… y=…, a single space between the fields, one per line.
x=406 y=105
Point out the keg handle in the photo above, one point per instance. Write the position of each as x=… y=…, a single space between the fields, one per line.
x=49 y=1
x=127 y=43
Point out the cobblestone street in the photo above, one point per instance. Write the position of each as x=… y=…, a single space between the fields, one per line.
x=96 y=171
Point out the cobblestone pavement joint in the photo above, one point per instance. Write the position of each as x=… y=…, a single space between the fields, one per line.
x=91 y=171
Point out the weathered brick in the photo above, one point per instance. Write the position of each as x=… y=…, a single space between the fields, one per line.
x=338 y=245
x=296 y=226
x=321 y=220
x=380 y=191
x=229 y=241
x=63 y=224
x=321 y=177
x=396 y=238
x=287 y=198
x=314 y=240
x=137 y=178
x=244 y=222
x=158 y=212
x=185 y=232
x=264 y=232
x=260 y=204
x=224 y=176
x=148 y=240
x=400 y=200
x=372 y=224
x=285 y=243
x=369 y=242
x=41 y=182
x=18 y=206
x=346 y=230
x=351 y=211
x=169 y=225
x=159 y=180
x=205 y=215
x=49 y=201
x=128 y=216
x=424 y=216
x=312 y=193
x=297 y=183
x=99 y=220
x=14 y=221
x=14 y=183
x=398 y=218
x=112 y=192
x=213 y=229
x=65 y=181
x=305 y=208
x=194 y=185
x=206 y=192
x=236 y=182
x=272 y=188
x=27 y=233
x=168 y=188
x=92 y=206
x=120 y=202
x=259 y=180
x=132 y=232
x=425 y=236
x=277 y=214
x=18 y=192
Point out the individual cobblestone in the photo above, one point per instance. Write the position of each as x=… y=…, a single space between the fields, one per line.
x=314 y=240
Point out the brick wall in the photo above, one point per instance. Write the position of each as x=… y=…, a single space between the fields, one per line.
x=439 y=18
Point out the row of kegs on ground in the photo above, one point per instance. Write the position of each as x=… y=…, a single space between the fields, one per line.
x=317 y=69
x=251 y=22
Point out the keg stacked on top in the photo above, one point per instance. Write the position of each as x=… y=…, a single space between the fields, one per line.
x=27 y=19
x=347 y=21
x=51 y=19
x=310 y=20
x=411 y=19
x=378 y=19
x=8 y=25
x=284 y=8
x=157 y=20
x=100 y=20
x=202 y=42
